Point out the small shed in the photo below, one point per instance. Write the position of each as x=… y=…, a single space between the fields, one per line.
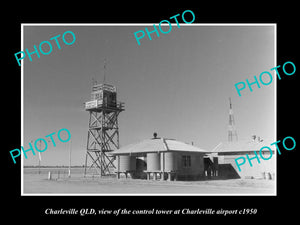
x=227 y=152
x=160 y=158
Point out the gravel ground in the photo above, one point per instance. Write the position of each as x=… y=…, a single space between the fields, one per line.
x=34 y=183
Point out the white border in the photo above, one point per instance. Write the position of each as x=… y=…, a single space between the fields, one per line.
x=140 y=24
x=22 y=111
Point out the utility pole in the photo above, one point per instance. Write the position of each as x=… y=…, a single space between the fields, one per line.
x=70 y=150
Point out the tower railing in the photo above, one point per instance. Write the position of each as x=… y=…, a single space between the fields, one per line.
x=94 y=104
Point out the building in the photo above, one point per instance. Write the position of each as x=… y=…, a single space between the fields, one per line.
x=225 y=153
x=160 y=158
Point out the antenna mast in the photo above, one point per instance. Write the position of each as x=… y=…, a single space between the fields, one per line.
x=104 y=77
x=231 y=128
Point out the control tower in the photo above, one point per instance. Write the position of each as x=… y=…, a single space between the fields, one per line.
x=103 y=133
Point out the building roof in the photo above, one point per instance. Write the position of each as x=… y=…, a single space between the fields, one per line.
x=243 y=146
x=158 y=145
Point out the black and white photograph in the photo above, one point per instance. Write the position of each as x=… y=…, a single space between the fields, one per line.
x=150 y=113
x=163 y=117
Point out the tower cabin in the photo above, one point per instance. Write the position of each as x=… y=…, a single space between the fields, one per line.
x=103 y=95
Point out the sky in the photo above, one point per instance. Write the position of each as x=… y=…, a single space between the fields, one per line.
x=177 y=84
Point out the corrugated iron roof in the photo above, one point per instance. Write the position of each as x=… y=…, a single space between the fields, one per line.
x=243 y=146
x=158 y=145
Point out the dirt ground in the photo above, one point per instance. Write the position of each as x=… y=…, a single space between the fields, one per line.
x=34 y=183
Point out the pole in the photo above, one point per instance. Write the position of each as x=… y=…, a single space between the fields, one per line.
x=104 y=77
x=40 y=158
x=70 y=159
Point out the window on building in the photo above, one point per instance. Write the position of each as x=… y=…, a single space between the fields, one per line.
x=186 y=161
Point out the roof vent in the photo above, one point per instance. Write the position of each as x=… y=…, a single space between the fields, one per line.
x=154 y=135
